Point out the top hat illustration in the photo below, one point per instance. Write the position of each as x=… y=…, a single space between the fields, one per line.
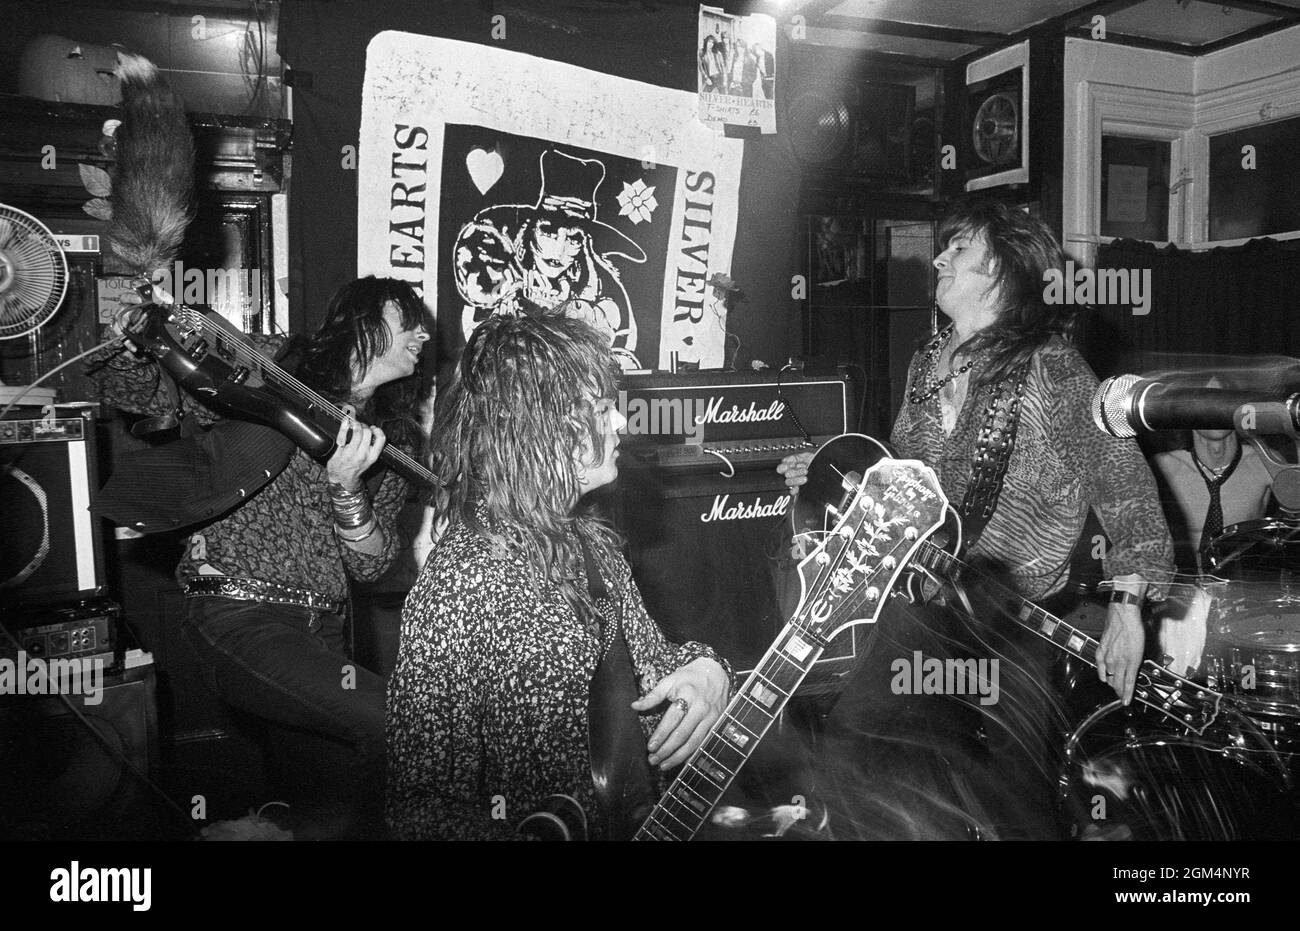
x=569 y=186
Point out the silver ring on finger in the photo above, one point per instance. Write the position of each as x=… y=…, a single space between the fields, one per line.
x=682 y=704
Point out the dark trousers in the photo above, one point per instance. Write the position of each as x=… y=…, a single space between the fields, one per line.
x=325 y=714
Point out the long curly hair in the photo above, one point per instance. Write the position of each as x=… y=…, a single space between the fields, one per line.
x=354 y=333
x=1022 y=249
x=507 y=431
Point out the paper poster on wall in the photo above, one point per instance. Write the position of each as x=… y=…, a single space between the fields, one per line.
x=1126 y=194
x=737 y=69
x=562 y=186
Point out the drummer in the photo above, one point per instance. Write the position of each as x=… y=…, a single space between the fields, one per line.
x=1215 y=484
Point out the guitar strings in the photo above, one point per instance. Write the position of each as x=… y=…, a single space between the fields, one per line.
x=802 y=623
x=1153 y=671
x=250 y=356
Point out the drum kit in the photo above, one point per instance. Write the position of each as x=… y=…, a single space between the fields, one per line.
x=1127 y=779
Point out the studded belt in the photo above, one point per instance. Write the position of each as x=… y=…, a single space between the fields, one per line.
x=226 y=586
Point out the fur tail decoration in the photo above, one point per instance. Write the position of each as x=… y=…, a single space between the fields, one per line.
x=153 y=192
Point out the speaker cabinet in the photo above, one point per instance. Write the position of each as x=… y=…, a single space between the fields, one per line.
x=844 y=125
x=64 y=778
x=52 y=547
x=710 y=556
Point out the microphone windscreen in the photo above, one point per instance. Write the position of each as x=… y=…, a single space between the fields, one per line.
x=1111 y=403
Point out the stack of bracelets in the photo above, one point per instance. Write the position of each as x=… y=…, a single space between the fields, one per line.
x=354 y=518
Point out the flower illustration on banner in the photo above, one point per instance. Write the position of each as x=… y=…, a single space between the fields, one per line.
x=637 y=201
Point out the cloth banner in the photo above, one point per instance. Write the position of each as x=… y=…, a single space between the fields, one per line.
x=496 y=182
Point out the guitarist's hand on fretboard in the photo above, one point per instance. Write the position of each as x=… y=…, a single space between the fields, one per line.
x=357 y=448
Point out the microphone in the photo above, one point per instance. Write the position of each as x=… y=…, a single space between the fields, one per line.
x=1127 y=404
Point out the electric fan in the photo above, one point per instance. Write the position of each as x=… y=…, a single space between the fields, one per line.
x=33 y=273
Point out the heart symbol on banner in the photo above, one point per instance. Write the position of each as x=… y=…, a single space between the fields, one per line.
x=485 y=168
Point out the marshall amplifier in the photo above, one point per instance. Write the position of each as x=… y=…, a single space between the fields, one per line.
x=728 y=421
x=710 y=556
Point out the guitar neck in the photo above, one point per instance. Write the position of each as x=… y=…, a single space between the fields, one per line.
x=734 y=736
x=1190 y=705
x=289 y=388
x=1028 y=615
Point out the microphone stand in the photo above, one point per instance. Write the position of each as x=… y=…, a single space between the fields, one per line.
x=1285 y=475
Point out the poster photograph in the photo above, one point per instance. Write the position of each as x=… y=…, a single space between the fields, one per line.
x=737 y=69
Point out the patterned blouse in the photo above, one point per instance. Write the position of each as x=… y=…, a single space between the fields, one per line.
x=1060 y=466
x=285 y=532
x=487 y=707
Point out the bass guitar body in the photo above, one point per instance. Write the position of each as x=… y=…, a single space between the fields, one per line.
x=195 y=360
x=216 y=362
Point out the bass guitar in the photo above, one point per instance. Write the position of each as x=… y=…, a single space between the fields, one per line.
x=216 y=362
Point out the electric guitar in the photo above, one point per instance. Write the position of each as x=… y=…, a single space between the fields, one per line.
x=215 y=361
x=881 y=515
x=1184 y=705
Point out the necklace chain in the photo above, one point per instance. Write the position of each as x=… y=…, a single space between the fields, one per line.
x=1212 y=472
x=930 y=386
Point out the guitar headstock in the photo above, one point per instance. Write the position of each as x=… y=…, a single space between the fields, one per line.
x=867 y=536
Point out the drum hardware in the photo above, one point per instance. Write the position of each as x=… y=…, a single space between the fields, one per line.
x=1123 y=780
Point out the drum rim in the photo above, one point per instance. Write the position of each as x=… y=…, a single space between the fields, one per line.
x=1240 y=527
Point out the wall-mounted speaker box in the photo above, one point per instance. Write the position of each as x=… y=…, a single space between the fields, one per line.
x=709 y=555
x=65 y=778
x=846 y=126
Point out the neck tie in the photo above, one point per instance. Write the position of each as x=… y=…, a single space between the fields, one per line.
x=1214 y=514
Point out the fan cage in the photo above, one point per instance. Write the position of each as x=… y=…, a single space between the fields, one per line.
x=33 y=273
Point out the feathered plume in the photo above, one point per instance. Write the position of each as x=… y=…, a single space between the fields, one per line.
x=152 y=197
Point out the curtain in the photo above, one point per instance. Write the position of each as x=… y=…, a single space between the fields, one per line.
x=1239 y=301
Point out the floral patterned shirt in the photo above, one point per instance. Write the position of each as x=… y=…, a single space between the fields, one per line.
x=1060 y=466
x=487 y=707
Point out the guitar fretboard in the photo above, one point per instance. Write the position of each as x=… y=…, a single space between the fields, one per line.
x=749 y=714
x=1190 y=705
x=879 y=525
x=248 y=355
x=1028 y=615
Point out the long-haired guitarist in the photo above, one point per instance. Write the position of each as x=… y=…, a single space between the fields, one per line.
x=998 y=404
x=267 y=583
x=528 y=666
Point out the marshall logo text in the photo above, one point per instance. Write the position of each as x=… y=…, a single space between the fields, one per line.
x=756 y=509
